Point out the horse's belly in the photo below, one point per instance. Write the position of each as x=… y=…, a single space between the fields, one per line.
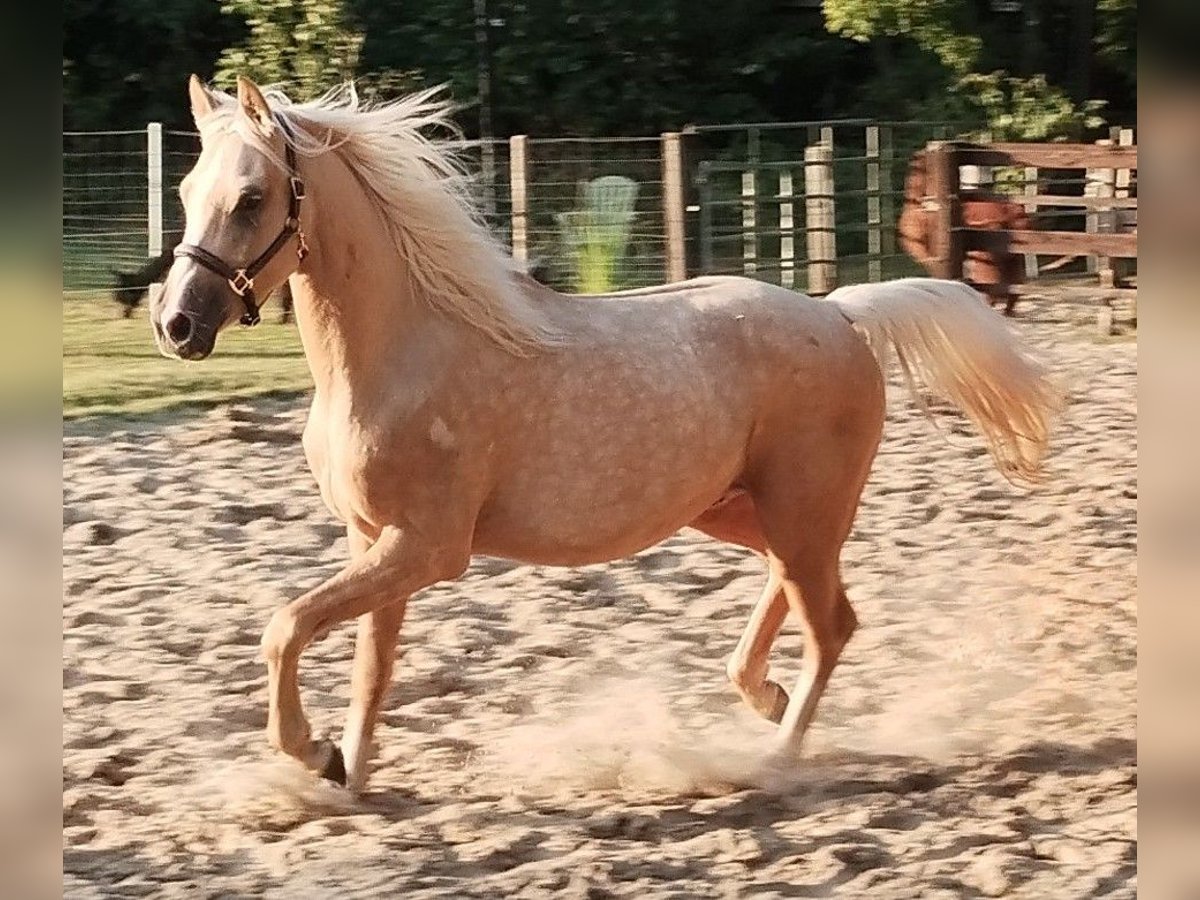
x=577 y=517
x=576 y=544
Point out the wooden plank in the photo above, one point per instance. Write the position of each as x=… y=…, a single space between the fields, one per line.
x=672 y=171
x=1101 y=203
x=518 y=178
x=1065 y=242
x=1051 y=156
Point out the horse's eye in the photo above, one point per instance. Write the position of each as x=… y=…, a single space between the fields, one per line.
x=248 y=202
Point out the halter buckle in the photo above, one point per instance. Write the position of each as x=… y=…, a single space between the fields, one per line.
x=297 y=188
x=241 y=283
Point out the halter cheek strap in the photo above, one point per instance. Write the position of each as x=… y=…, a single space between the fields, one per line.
x=241 y=281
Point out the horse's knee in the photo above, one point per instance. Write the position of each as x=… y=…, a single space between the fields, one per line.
x=281 y=635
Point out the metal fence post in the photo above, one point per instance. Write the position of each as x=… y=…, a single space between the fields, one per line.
x=672 y=175
x=154 y=189
x=520 y=206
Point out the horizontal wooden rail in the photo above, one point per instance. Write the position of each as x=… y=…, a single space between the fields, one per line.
x=1079 y=202
x=1025 y=241
x=1049 y=156
x=1091 y=293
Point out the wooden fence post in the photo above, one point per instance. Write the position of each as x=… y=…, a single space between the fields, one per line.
x=518 y=175
x=1101 y=222
x=819 y=219
x=1124 y=180
x=705 y=190
x=874 y=208
x=154 y=189
x=1031 y=189
x=672 y=198
x=947 y=235
x=887 y=200
x=749 y=224
x=787 y=240
x=1098 y=183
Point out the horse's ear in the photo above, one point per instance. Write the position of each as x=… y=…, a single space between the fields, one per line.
x=203 y=101
x=252 y=102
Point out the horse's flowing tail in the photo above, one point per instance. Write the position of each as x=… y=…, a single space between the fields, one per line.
x=944 y=334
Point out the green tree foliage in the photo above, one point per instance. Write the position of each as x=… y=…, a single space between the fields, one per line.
x=1116 y=36
x=938 y=26
x=620 y=66
x=1007 y=106
x=591 y=67
x=126 y=62
x=307 y=46
x=1026 y=109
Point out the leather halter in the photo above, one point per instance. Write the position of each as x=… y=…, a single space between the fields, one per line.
x=241 y=281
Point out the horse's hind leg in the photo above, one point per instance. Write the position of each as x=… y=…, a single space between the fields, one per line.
x=747 y=667
x=819 y=599
x=735 y=521
x=806 y=518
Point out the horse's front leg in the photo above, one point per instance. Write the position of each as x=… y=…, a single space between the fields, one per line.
x=397 y=565
x=374 y=659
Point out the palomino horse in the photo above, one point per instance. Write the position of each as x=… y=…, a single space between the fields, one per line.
x=462 y=408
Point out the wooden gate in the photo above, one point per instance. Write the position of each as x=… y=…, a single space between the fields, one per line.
x=1113 y=212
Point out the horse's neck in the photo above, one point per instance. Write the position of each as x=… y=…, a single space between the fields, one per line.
x=354 y=306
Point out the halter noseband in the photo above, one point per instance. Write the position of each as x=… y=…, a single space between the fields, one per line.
x=241 y=281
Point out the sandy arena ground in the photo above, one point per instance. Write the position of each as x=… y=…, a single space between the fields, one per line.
x=571 y=732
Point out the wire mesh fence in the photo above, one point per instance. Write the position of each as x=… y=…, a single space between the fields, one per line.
x=782 y=202
x=105 y=221
x=558 y=173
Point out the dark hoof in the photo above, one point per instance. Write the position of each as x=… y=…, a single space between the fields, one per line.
x=335 y=769
x=779 y=707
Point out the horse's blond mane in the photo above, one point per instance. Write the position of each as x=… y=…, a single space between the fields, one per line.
x=420 y=186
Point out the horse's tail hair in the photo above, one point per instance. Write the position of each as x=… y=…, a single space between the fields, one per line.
x=945 y=336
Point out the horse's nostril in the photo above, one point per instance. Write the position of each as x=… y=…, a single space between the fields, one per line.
x=179 y=328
